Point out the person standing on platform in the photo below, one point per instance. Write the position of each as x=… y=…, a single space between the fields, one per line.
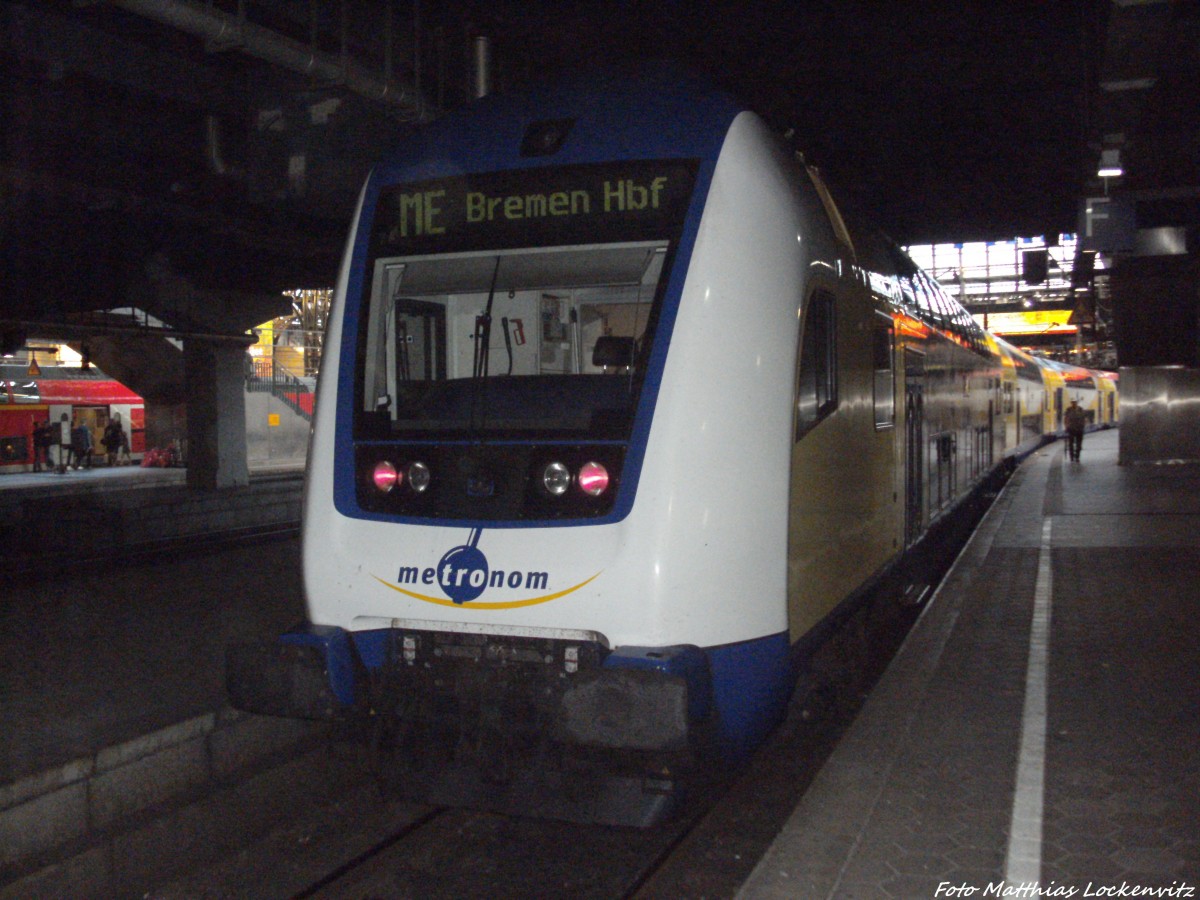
x=126 y=458
x=81 y=444
x=64 y=442
x=41 y=446
x=1075 y=420
x=112 y=441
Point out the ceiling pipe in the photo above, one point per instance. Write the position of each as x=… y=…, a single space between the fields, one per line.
x=483 y=67
x=226 y=30
x=51 y=330
x=212 y=145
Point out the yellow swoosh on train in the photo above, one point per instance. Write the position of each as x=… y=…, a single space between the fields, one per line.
x=473 y=604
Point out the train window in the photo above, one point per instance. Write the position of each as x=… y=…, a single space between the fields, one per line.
x=939 y=303
x=885 y=381
x=927 y=308
x=816 y=382
x=543 y=341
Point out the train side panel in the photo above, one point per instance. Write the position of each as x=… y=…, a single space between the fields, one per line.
x=846 y=520
x=721 y=426
x=326 y=573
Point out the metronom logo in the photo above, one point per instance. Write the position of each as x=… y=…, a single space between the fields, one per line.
x=463 y=574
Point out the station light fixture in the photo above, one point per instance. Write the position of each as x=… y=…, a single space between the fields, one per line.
x=1110 y=164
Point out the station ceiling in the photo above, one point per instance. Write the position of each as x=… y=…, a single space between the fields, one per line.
x=196 y=157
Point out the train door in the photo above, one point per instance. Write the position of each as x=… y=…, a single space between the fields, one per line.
x=943 y=470
x=914 y=446
x=559 y=352
x=93 y=419
x=1010 y=411
x=420 y=336
x=990 y=454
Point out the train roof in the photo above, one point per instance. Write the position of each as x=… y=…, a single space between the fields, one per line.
x=646 y=111
x=640 y=111
x=62 y=384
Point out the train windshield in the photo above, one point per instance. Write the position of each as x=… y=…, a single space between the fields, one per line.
x=541 y=341
x=544 y=341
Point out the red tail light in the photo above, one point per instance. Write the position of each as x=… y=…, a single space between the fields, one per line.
x=593 y=479
x=385 y=477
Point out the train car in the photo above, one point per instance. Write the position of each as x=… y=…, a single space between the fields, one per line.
x=1066 y=384
x=1026 y=408
x=617 y=413
x=88 y=397
x=1107 y=410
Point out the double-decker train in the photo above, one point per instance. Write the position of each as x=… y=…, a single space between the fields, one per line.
x=88 y=397
x=617 y=412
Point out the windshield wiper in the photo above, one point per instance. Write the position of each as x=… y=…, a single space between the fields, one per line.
x=479 y=368
x=483 y=329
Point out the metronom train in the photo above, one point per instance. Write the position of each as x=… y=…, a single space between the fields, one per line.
x=617 y=413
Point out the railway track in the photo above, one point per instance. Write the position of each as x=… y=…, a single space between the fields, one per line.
x=365 y=845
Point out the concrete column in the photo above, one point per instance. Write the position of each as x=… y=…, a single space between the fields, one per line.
x=1156 y=310
x=216 y=415
x=1160 y=415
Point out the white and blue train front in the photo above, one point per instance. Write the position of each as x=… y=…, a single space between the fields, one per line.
x=547 y=499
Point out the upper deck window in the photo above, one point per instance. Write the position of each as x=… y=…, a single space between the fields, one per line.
x=817 y=378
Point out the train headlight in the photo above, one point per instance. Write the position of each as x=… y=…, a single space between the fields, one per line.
x=418 y=477
x=385 y=477
x=593 y=479
x=556 y=478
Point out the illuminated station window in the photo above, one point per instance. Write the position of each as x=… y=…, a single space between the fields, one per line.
x=995 y=272
x=1021 y=288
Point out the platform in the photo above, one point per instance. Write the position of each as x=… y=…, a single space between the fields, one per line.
x=78 y=599
x=1038 y=734
x=112 y=695
x=50 y=520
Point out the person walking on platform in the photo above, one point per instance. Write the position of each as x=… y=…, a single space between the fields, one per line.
x=1075 y=420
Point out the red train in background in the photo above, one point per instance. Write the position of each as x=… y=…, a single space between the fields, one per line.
x=88 y=396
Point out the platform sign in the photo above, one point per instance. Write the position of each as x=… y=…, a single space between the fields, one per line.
x=1107 y=224
x=1028 y=322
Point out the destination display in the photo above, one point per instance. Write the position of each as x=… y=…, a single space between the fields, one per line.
x=534 y=207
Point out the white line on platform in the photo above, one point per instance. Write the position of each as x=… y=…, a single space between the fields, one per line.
x=1024 y=864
